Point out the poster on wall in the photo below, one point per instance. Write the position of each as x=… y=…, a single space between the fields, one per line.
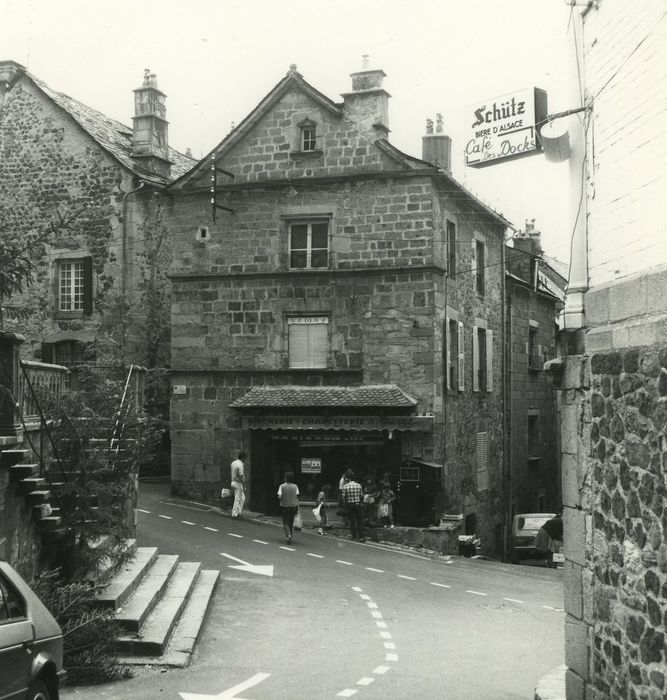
x=504 y=128
x=311 y=465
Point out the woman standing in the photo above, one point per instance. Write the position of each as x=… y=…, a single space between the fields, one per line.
x=288 y=493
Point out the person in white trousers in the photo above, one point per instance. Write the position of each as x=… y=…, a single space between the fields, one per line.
x=238 y=484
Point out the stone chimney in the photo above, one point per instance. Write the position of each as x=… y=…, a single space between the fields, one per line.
x=530 y=240
x=368 y=103
x=150 y=142
x=437 y=147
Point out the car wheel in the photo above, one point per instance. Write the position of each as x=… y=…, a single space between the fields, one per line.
x=39 y=691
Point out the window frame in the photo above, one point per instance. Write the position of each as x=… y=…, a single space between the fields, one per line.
x=86 y=286
x=309 y=222
x=319 y=319
x=480 y=269
x=451 y=247
x=482 y=359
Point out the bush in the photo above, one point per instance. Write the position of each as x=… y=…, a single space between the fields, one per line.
x=90 y=633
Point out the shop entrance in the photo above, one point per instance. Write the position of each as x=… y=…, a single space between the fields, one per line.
x=317 y=458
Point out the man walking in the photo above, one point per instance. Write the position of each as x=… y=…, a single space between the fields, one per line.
x=353 y=497
x=238 y=484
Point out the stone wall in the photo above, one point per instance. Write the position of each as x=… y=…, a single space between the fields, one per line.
x=531 y=392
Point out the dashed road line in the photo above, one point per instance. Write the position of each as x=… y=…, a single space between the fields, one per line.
x=317 y=556
x=366 y=680
x=346 y=563
x=440 y=585
x=407 y=578
x=141 y=510
x=187 y=522
x=287 y=549
x=212 y=529
x=347 y=693
x=391 y=657
x=166 y=517
x=260 y=542
x=233 y=534
x=476 y=593
x=379 y=670
x=377 y=571
x=514 y=600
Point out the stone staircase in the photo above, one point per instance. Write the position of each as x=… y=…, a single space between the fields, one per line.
x=160 y=602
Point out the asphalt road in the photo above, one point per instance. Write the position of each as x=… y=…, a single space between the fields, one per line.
x=343 y=619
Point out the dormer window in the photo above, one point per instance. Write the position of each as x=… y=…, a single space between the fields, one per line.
x=308 y=136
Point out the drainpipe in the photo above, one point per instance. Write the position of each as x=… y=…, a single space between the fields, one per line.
x=573 y=315
x=507 y=407
x=123 y=267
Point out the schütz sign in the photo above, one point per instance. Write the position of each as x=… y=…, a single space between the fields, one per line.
x=503 y=128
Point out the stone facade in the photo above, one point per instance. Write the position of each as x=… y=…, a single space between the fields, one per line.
x=385 y=290
x=67 y=169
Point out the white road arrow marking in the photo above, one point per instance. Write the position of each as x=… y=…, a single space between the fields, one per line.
x=231 y=693
x=250 y=568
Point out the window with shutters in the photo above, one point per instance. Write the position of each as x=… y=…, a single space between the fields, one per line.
x=482 y=461
x=75 y=286
x=482 y=359
x=480 y=267
x=309 y=244
x=534 y=350
x=308 y=342
x=451 y=248
x=455 y=360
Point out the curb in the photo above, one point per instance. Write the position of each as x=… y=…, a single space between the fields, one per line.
x=552 y=686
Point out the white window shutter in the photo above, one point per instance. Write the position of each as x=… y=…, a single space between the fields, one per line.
x=489 y=360
x=461 y=359
x=448 y=354
x=308 y=345
x=475 y=359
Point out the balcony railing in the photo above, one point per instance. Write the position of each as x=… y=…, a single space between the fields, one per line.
x=45 y=379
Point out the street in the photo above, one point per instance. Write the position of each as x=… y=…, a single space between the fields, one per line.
x=326 y=617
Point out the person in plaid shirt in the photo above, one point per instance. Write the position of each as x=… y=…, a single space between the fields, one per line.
x=353 y=499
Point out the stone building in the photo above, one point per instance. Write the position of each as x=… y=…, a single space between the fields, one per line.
x=95 y=184
x=614 y=381
x=338 y=303
x=535 y=290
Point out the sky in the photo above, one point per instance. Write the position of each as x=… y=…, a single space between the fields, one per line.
x=216 y=59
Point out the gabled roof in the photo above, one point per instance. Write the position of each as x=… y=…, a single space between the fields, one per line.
x=291 y=396
x=111 y=135
x=291 y=80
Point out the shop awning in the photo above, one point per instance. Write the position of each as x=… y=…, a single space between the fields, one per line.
x=292 y=396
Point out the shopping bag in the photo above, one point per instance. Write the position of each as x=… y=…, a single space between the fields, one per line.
x=316 y=513
x=297 y=521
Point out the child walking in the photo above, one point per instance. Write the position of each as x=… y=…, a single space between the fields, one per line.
x=322 y=502
x=385 y=507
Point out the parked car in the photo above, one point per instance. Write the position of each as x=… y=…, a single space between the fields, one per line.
x=525 y=527
x=31 y=642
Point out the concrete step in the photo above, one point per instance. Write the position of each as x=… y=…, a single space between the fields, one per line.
x=181 y=646
x=108 y=565
x=8 y=458
x=50 y=523
x=152 y=639
x=18 y=472
x=123 y=583
x=39 y=496
x=133 y=614
x=32 y=483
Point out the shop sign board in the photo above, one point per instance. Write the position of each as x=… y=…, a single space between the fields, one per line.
x=338 y=422
x=311 y=465
x=504 y=128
